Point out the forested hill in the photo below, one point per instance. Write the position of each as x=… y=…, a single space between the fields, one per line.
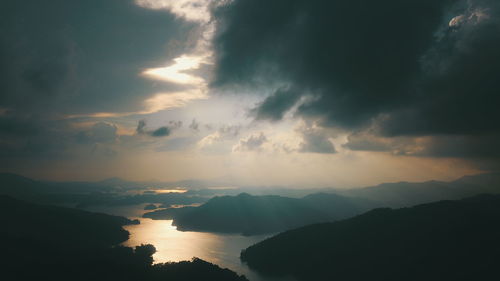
x=447 y=240
x=250 y=215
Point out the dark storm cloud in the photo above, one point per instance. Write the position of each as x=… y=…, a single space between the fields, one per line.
x=484 y=146
x=77 y=57
x=403 y=67
x=460 y=87
x=364 y=142
x=17 y=126
x=276 y=105
x=360 y=56
x=81 y=56
x=469 y=146
x=163 y=131
x=31 y=136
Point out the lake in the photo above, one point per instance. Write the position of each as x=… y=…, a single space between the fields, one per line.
x=173 y=245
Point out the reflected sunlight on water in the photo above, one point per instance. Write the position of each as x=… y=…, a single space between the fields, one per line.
x=169 y=190
x=173 y=245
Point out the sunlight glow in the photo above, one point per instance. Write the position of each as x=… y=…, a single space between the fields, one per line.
x=170 y=190
x=174 y=72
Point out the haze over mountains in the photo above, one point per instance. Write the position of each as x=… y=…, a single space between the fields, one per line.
x=250 y=215
x=222 y=210
x=399 y=193
x=407 y=194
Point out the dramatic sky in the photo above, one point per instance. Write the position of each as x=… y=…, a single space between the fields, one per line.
x=303 y=93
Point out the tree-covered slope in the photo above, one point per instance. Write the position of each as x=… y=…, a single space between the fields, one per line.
x=447 y=240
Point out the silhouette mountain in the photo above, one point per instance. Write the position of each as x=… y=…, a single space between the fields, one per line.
x=252 y=215
x=446 y=240
x=55 y=243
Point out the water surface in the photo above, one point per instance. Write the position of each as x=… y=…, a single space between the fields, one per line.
x=173 y=245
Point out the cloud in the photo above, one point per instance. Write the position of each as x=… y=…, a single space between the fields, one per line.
x=356 y=56
x=368 y=64
x=64 y=65
x=215 y=140
x=192 y=10
x=12 y=125
x=156 y=103
x=276 y=105
x=195 y=125
x=253 y=142
x=175 y=124
x=444 y=146
x=367 y=142
x=140 y=127
x=163 y=131
x=315 y=140
x=100 y=132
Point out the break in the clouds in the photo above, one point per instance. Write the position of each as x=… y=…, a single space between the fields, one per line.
x=426 y=68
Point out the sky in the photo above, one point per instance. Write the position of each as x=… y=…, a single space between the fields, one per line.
x=300 y=93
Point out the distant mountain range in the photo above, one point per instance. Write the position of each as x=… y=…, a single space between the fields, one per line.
x=446 y=240
x=408 y=194
x=251 y=215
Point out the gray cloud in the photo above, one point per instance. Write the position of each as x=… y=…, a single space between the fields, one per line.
x=161 y=132
x=276 y=105
x=252 y=143
x=473 y=147
x=195 y=125
x=175 y=124
x=366 y=142
x=100 y=132
x=315 y=140
x=141 y=125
